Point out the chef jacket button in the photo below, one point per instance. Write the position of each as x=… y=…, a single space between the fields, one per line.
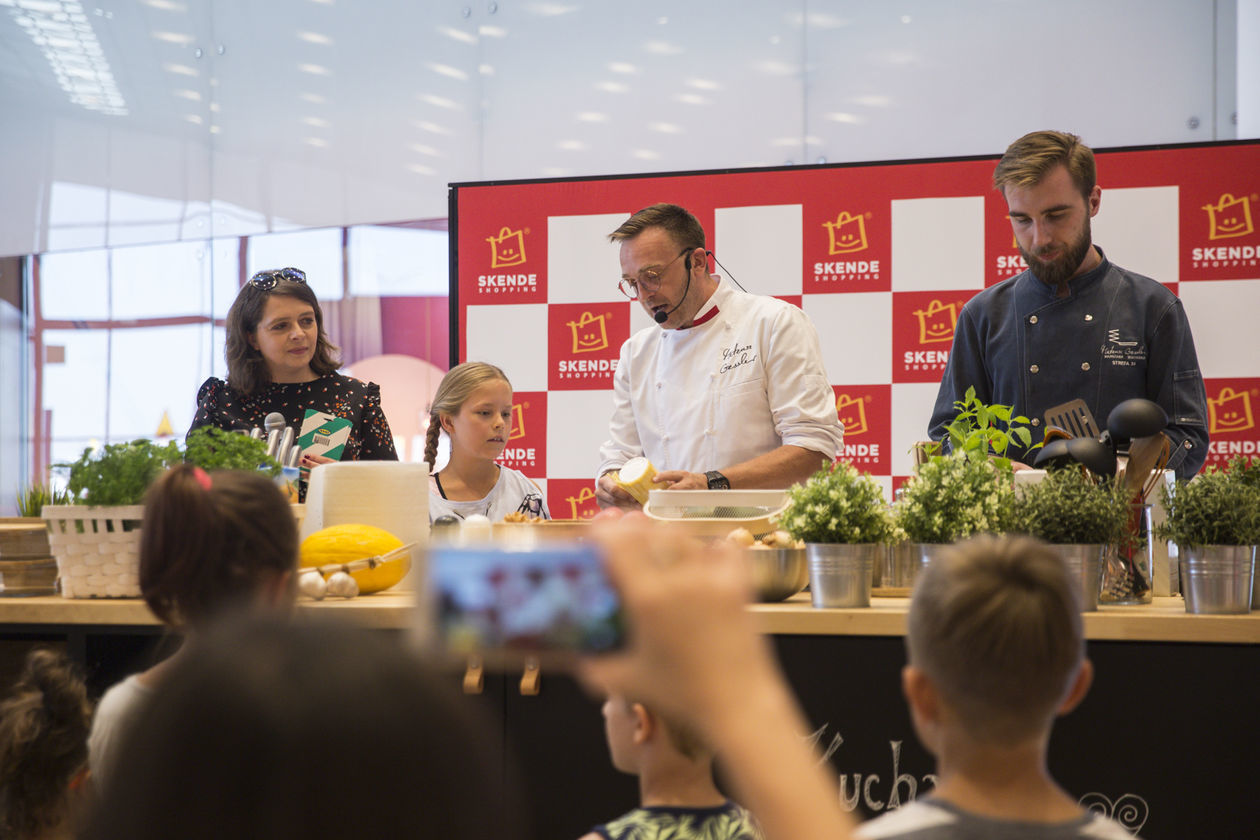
x=659 y=385
x=1035 y=422
x=664 y=437
x=1084 y=365
x=1089 y=317
x=1033 y=369
x=1032 y=320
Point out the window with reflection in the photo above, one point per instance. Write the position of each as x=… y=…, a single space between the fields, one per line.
x=125 y=336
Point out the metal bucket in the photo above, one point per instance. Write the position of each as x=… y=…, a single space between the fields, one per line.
x=840 y=573
x=1084 y=563
x=1217 y=579
x=904 y=561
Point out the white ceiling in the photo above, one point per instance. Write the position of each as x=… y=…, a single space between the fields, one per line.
x=185 y=119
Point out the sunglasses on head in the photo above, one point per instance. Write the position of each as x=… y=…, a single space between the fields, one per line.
x=267 y=280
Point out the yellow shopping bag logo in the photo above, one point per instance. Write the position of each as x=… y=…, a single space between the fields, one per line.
x=1229 y=217
x=852 y=413
x=846 y=234
x=1230 y=412
x=579 y=502
x=936 y=323
x=589 y=333
x=507 y=249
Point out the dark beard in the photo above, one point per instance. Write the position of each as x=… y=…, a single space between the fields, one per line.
x=1057 y=272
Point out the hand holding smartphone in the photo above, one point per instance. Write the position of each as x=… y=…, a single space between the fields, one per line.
x=551 y=600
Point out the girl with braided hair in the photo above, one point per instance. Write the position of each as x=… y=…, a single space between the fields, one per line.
x=43 y=749
x=473 y=406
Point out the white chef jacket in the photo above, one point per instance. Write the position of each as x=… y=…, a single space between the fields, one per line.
x=739 y=385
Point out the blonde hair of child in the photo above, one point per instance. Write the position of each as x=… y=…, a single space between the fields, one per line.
x=457 y=386
x=996 y=625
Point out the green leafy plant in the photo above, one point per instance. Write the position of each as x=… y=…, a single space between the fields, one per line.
x=838 y=504
x=1217 y=507
x=31 y=499
x=983 y=432
x=212 y=448
x=120 y=474
x=1066 y=507
x=954 y=496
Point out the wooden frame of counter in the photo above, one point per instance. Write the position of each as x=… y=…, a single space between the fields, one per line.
x=1165 y=620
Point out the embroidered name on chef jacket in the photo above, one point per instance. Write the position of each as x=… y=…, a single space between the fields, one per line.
x=1122 y=350
x=736 y=356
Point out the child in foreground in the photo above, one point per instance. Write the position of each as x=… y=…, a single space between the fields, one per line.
x=211 y=544
x=43 y=750
x=677 y=796
x=996 y=652
x=473 y=405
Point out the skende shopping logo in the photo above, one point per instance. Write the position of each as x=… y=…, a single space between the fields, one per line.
x=847 y=237
x=584 y=344
x=507 y=251
x=1227 y=224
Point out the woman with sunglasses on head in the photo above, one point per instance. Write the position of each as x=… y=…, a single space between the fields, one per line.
x=280 y=360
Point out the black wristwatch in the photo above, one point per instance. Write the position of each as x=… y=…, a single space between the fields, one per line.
x=717 y=481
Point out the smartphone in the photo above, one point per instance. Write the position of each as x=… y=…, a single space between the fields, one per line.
x=502 y=602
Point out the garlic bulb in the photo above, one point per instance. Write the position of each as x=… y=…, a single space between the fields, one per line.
x=312 y=585
x=341 y=585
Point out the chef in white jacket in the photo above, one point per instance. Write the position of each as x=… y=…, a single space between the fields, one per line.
x=728 y=389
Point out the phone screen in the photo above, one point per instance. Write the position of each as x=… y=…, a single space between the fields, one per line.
x=549 y=597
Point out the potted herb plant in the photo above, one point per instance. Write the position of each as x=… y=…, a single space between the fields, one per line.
x=96 y=539
x=1215 y=521
x=1080 y=517
x=845 y=522
x=952 y=496
x=211 y=448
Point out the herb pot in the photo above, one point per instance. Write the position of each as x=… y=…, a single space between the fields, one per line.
x=905 y=561
x=840 y=573
x=1084 y=562
x=1218 y=579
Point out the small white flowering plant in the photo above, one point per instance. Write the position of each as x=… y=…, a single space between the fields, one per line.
x=838 y=504
x=954 y=496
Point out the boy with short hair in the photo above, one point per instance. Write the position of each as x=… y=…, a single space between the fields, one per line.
x=677 y=796
x=996 y=652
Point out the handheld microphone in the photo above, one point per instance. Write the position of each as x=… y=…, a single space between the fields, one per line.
x=662 y=316
x=273 y=423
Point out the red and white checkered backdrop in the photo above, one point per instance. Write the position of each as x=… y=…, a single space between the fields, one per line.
x=880 y=256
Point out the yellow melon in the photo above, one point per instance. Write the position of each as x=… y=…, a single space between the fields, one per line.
x=340 y=544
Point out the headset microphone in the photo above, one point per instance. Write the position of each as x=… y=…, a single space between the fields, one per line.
x=662 y=316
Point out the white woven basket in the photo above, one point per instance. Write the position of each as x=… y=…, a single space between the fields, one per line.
x=97 y=556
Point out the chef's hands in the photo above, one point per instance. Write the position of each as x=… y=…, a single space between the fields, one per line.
x=609 y=494
x=681 y=480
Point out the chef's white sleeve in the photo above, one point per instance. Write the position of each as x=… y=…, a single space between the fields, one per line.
x=801 y=400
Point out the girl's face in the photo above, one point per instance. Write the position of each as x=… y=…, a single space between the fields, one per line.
x=481 y=427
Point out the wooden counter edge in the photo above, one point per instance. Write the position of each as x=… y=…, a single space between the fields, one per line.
x=1163 y=621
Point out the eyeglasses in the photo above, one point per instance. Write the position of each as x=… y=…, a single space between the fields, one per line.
x=267 y=280
x=649 y=278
